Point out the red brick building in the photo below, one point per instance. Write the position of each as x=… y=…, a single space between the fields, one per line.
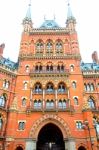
x=49 y=100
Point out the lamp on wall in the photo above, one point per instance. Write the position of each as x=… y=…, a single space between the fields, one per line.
x=86 y=126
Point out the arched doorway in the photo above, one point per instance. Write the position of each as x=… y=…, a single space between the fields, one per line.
x=81 y=148
x=19 y=148
x=50 y=138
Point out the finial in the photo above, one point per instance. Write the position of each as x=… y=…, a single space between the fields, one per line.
x=54 y=17
x=44 y=17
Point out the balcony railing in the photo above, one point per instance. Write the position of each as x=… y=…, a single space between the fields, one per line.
x=54 y=71
x=51 y=108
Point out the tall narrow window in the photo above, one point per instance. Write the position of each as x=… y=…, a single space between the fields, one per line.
x=25 y=86
x=1 y=123
x=72 y=68
x=91 y=103
x=79 y=125
x=76 y=101
x=27 y=68
x=24 y=102
x=74 y=85
x=21 y=125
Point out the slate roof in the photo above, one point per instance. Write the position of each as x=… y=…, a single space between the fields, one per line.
x=49 y=24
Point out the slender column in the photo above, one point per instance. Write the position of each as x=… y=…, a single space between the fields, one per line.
x=44 y=52
x=31 y=97
x=43 y=98
x=54 y=49
x=68 y=94
x=56 y=98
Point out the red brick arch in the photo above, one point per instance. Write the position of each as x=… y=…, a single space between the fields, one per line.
x=50 y=118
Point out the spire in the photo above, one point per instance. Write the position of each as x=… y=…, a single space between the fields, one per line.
x=69 y=13
x=28 y=14
x=71 y=21
x=27 y=21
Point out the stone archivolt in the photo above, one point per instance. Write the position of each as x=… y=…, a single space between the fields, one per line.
x=50 y=118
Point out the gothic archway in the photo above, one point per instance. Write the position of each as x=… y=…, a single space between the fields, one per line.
x=81 y=148
x=19 y=148
x=50 y=138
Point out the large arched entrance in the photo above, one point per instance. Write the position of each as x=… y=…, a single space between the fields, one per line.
x=81 y=148
x=50 y=138
x=19 y=148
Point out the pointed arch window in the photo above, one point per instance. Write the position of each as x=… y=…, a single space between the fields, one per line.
x=3 y=100
x=91 y=103
x=50 y=88
x=61 y=88
x=38 y=68
x=60 y=104
x=92 y=87
x=76 y=101
x=27 y=69
x=49 y=46
x=38 y=88
x=71 y=68
x=85 y=87
x=24 y=102
x=60 y=68
x=39 y=46
x=88 y=87
x=25 y=85
x=1 y=123
x=6 y=84
x=74 y=85
x=59 y=47
x=64 y=103
x=49 y=68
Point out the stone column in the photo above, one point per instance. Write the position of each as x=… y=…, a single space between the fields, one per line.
x=31 y=145
x=70 y=144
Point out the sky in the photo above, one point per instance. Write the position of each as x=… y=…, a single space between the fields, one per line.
x=86 y=12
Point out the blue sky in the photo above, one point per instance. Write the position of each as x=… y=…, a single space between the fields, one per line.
x=86 y=12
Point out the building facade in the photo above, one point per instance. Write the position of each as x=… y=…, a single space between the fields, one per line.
x=49 y=99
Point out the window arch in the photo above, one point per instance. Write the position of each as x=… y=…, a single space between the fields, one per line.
x=49 y=104
x=92 y=87
x=91 y=103
x=59 y=46
x=38 y=88
x=60 y=104
x=1 y=123
x=88 y=87
x=61 y=87
x=38 y=67
x=76 y=101
x=49 y=46
x=37 y=104
x=74 y=85
x=50 y=87
x=3 y=99
x=6 y=84
x=25 y=85
x=71 y=68
x=24 y=102
x=60 y=67
x=39 y=46
x=27 y=68
x=85 y=87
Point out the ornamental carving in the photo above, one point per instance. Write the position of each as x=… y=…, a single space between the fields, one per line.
x=50 y=118
x=53 y=80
